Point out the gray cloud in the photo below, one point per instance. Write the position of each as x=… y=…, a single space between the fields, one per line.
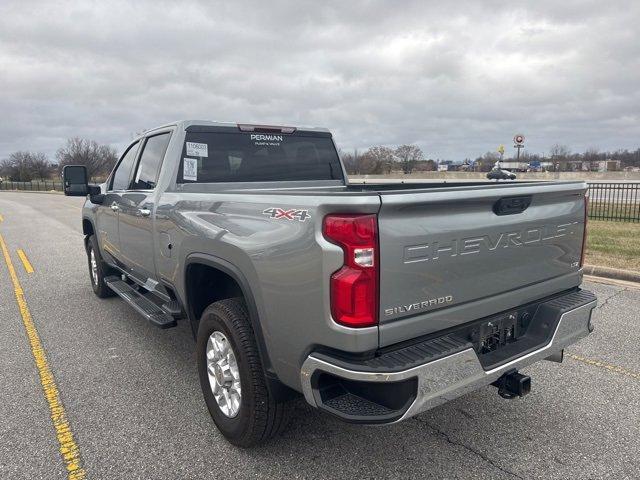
x=458 y=78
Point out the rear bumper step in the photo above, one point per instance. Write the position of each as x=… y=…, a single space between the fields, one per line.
x=401 y=383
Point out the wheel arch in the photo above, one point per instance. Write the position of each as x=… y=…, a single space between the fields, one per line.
x=198 y=264
x=87 y=229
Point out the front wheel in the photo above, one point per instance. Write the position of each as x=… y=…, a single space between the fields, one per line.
x=98 y=270
x=232 y=377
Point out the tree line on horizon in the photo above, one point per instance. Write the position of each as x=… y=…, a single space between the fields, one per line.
x=26 y=166
x=381 y=159
x=409 y=158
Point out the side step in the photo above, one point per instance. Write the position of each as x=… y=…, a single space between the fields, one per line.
x=173 y=308
x=145 y=307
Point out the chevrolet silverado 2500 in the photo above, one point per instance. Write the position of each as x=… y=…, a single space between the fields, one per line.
x=375 y=302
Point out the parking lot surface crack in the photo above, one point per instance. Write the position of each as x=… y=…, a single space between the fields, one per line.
x=470 y=449
x=610 y=298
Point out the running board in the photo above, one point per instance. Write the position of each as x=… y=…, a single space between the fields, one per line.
x=145 y=307
x=173 y=308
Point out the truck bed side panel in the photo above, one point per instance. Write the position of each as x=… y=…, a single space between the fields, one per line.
x=286 y=262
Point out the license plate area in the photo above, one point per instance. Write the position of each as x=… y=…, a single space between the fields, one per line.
x=498 y=332
x=506 y=332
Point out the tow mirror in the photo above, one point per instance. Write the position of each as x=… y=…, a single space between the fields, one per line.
x=74 y=180
x=75 y=184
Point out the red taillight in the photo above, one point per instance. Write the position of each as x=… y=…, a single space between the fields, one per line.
x=354 y=288
x=584 y=238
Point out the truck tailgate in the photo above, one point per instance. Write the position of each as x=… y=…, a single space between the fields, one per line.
x=452 y=255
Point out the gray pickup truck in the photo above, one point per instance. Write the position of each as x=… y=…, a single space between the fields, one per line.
x=374 y=301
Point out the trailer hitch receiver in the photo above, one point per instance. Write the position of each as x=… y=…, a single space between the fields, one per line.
x=513 y=384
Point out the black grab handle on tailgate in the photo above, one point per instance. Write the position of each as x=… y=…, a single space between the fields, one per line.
x=511 y=205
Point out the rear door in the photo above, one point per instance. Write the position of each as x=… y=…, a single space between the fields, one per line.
x=137 y=209
x=107 y=213
x=452 y=255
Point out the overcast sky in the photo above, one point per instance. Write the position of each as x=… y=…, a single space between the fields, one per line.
x=457 y=78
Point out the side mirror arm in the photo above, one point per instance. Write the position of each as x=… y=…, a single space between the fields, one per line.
x=95 y=194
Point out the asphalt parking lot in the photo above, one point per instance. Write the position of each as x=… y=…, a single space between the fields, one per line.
x=133 y=403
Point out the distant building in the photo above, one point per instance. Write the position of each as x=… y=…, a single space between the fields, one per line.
x=609 y=165
x=514 y=166
x=601 y=166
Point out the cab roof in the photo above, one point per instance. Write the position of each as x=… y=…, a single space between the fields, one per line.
x=184 y=124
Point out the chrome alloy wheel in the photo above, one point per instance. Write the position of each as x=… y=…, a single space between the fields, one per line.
x=94 y=267
x=224 y=377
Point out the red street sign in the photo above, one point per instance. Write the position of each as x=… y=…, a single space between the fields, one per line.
x=518 y=139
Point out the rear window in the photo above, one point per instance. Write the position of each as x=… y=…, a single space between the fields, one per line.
x=210 y=157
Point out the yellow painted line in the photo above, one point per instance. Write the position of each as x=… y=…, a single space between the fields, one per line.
x=606 y=366
x=25 y=261
x=67 y=445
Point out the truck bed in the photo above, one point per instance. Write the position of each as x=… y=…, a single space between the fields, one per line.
x=448 y=256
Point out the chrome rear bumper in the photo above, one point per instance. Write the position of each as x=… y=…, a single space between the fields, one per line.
x=451 y=376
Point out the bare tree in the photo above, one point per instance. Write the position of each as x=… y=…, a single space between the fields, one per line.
x=592 y=154
x=41 y=167
x=430 y=165
x=99 y=159
x=408 y=155
x=19 y=164
x=361 y=164
x=5 y=168
x=559 y=152
x=349 y=162
x=379 y=159
x=25 y=166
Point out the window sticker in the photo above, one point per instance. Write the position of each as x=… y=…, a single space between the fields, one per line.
x=197 y=149
x=190 y=169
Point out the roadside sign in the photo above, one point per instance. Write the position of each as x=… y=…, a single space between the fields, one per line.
x=518 y=141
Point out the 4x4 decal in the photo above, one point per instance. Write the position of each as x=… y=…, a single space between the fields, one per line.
x=292 y=214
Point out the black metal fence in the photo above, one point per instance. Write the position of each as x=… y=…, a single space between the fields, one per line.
x=38 y=186
x=619 y=201
x=615 y=201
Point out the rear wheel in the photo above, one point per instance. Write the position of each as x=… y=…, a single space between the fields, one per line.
x=232 y=377
x=97 y=269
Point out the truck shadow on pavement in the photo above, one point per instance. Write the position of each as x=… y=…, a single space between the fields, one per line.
x=537 y=436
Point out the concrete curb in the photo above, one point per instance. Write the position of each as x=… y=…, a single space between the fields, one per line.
x=54 y=192
x=615 y=273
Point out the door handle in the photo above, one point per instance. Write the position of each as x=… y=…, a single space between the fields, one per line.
x=115 y=207
x=145 y=212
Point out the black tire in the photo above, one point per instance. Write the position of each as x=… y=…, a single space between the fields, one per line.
x=260 y=417
x=100 y=288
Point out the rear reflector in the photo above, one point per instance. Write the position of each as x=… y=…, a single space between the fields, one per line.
x=354 y=288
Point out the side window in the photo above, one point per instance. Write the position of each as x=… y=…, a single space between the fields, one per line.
x=150 y=161
x=120 y=179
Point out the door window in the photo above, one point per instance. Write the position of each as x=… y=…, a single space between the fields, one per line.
x=122 y=174
x=150 y=161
